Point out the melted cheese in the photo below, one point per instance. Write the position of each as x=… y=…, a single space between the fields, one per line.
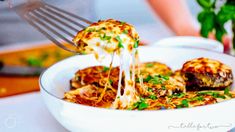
x=105 y=38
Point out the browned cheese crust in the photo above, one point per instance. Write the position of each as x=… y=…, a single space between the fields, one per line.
x=104 y=34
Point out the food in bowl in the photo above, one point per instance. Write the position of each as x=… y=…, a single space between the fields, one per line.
x=207 y=74
x=146 y=86
x=161 y=88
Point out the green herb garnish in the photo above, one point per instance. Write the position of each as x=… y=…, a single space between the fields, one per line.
x=122 y=22
x=164 y=77
x=150 y=89
x=137 y=80
x=226 y=92
x=159 y=79
x=214 y=94
x=120 y=45
x=148 y=78
x=111 y=81
x=105 y=68
x=149 y=65
x=125 y=32
x=153 y=97
x=141 y=104
x=90 y=30
x=163 y=87
x=118 y=39
x=136 y=43
x=197 y=98
x=185 y=103
x=105 y=37
x=119 y=42
x=177 y=95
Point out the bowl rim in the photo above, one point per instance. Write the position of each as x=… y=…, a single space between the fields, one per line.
x=132 y=111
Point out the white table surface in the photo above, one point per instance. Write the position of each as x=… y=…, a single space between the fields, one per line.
x=26 y=112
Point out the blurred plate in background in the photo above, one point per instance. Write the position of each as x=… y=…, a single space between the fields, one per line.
x=191 y=42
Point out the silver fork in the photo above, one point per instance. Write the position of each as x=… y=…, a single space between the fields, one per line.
x=56 y=24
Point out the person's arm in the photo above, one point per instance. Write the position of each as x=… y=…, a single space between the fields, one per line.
x=175 y=15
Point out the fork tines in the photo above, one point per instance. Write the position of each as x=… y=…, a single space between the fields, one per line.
x=56 y=24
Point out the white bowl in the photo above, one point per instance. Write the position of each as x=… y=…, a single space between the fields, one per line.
x=191 y=42
x=55 y=81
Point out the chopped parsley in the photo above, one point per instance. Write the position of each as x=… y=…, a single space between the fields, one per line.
x=122 y=22
x=105 y=37
x=153 y=97
x=197 y=98
x=105 y=68
x=150 y=89
x=90 y=30
x=137 y=80
x=111 y=81
x=185 y=103
x=141 y=104
x=119 y=42
x=178 y=106
x=118 y=39
x=148 y=78
x=159 y=79
x=149 y=65
x=177 y=95
x=136 y=43
x=226 y=92
x=163 y=87
x=164 y=77
x=125 y=32
x=108 y=37
x=214 y=94
x=120 y=45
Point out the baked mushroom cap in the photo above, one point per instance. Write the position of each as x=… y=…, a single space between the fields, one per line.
x=204 y=73
x=106 y=36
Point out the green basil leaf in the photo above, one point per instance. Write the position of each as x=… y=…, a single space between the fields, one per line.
x=220 y=31
x=207 y=20
x=205 y=3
